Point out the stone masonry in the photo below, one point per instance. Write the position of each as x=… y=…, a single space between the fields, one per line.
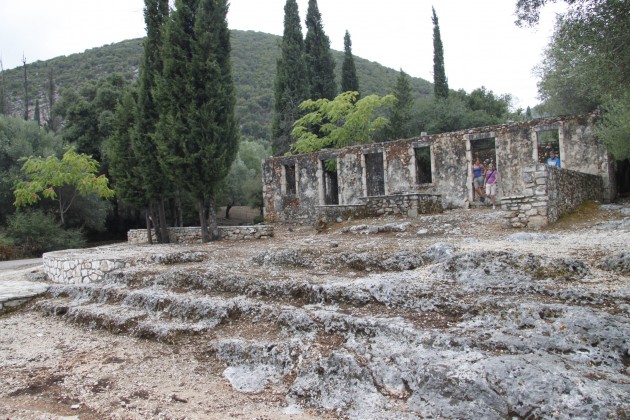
x=549 y=193
x=192 y=235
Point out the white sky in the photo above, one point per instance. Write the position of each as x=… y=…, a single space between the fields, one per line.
x=482 y=46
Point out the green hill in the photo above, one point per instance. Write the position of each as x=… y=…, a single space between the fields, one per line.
x=254 y=56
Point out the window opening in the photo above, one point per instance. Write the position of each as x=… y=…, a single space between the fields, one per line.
x=549 y=147
x=423 y=165
x=289 y=171
x=331 y=183
x=375 y=177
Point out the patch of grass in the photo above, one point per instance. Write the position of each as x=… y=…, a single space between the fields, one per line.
x=588 y=211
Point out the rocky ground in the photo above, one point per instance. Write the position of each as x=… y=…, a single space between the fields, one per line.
x=445 y=316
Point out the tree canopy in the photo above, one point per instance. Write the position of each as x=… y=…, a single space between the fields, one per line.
x=61 y=180
x=319 y=60
x=349 y=78
x=342 y=121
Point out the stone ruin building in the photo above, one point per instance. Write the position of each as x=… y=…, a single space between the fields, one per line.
x=429 y=173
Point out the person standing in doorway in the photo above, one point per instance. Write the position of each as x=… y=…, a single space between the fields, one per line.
x=478 y=171
x=554 y=159
x=490 y=182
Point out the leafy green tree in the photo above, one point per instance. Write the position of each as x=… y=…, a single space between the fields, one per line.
x=319 y=61
x=198 y=129
x=401 y=117
x=291 y=82
x=60 y=180
x=349 y=79
x=342 y=121
x=614 y=129
x=89 y=114
x=19 y=138
x=440 y=83
x=587 y=63
x=243 y=185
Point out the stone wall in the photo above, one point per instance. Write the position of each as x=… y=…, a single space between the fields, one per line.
x=63 y=267
x=408 y=205
x=549 y=192
x=192 y=235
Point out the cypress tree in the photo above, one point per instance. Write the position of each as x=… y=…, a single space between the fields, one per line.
x=440 y=83
x=50 y=122
x=319 y=61
x=349 y=79
x=291 y=83
x=36 y=116
x=3 y=100
x=25 y=89
x=401 y=116
x=198 y=136
x=154 y=180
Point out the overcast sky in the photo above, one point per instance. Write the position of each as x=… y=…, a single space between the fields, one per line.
x=482 y=46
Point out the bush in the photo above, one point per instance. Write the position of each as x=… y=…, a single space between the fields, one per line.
x=36 y=232
x=6 y=248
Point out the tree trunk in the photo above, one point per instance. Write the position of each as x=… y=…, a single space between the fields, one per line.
x=148 y=220
x=163 y=225
x=212 y=219
x=205 y=235
x=227 y=210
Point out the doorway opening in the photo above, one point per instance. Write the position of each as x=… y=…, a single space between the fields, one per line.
x=331 y=182
x=374 y=174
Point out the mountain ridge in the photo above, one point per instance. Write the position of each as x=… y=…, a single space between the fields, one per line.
x=254 y=56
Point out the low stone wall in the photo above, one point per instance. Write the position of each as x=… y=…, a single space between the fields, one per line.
x=549 y=193
x=66 y=267
x=408 y=205
x=192 y=235
x=331 y=213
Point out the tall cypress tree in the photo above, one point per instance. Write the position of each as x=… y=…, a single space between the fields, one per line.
x=401 y=116
x=25 y=89
x=349 y=79
x=319 y=61
x=198 y=136
x=291 y=83
x=50 y=122
x=440 y=83
x=3 y=100
x=155 y=181
x=36 y=116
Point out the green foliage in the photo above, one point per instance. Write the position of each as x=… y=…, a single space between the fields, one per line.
x=19 y=138
x=36 y=232
x=60 y=180
x=197 y=131
x=319 y=61
x=401 y=117
x=440 y=83
x=614 y=128
x=349 y=79
x=89 y=115
x=340 y=122
x=291 y=82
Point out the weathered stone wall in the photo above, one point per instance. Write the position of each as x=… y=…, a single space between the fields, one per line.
x=408 y=205
x=548 y=193
x=327 y=214
x=63 y=267
x=192 y=235
x=515 y=146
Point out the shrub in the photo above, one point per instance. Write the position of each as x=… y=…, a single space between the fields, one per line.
x=36 y=232
x=6 y=248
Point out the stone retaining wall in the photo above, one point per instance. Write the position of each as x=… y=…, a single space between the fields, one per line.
x=549 y=193
x=408 y=205
x=64 y=267
x=192 y=235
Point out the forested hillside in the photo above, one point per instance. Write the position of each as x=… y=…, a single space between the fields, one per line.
x=254 y=56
